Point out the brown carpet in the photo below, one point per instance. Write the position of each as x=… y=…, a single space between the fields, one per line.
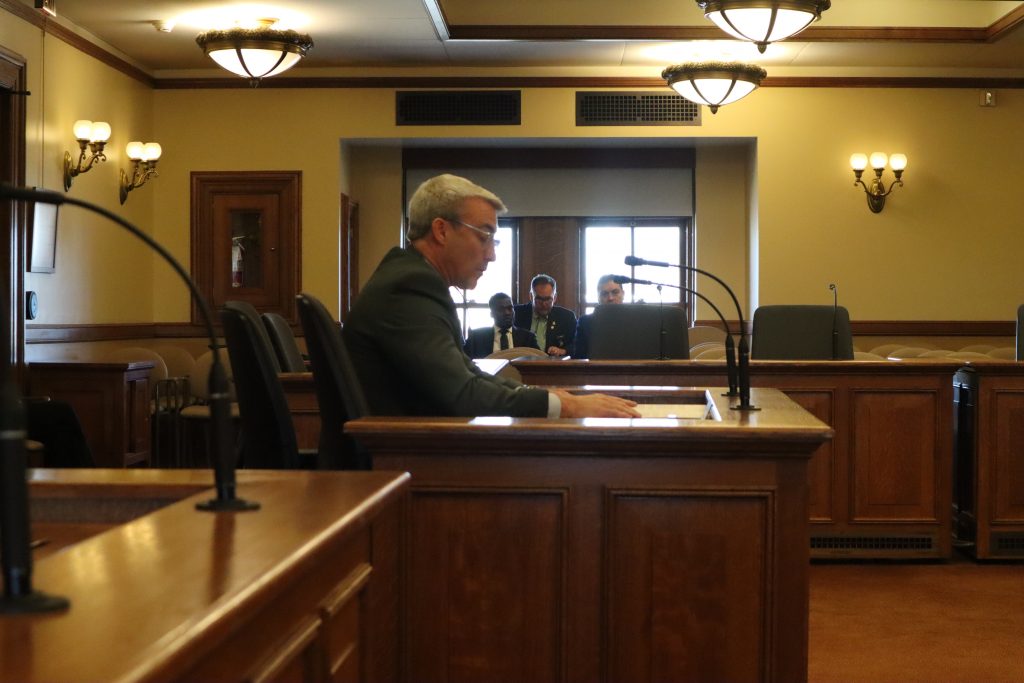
x=908 y=622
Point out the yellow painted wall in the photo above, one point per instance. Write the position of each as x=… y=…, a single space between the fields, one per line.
x=946 y=247
x=103 y=274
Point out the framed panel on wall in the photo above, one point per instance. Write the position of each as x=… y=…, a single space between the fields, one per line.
x=42 y=238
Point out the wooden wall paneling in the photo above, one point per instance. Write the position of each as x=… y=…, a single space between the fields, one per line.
x=823 y=466
x=997 y=480
x=552 y=246
x=1007 y=474
x=487 y=579
x=687 y=566
x=893 y=456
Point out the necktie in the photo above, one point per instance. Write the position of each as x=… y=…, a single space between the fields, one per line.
x=504 y=339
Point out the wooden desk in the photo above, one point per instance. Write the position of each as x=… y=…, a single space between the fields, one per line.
x=988 y=504
x=882 y=487
x=111 y=400
x=303 y=589
x=605 y=550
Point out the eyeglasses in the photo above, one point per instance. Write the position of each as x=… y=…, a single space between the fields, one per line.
x=489 y=242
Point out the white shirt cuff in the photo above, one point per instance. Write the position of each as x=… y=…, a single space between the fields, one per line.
x=554 y=405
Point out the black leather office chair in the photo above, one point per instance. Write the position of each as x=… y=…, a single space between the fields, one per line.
x=794 y=332
x=268 y=435
x=337 y=388
x=1020 y=331
x=289 y=357
x=638 y=332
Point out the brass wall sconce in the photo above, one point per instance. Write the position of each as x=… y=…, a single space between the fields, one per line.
x=144 y=157
x=877 y=192
x=91 y=134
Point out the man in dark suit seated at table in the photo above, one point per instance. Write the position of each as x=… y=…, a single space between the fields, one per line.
x=609 y=291
x=554 y=326
x=484 y=341
x=404 y=336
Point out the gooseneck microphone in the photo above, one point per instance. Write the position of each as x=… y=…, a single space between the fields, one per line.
x=730 y=348
x=835 y=312
x=744 y=345
x=220 y=412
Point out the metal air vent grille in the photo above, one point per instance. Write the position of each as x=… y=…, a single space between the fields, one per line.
x=458 y=108
x=875 y=543
x=618 y=108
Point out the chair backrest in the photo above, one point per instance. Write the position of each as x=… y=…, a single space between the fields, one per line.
x=337 y=387
x=518 y=352
x=268 y=435
x=289 y=357
x=801 y=333
x=199 y=380
x=639 y=332
x=1020 y=331
x=700 y=334
x=180 y=363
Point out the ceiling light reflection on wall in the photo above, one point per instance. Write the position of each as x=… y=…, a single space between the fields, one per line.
x=714 y=84
x=763 y=21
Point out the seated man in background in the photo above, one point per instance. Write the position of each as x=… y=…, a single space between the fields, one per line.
x=502 y=335
x=403 y=333
x=609 y=291
x=554 y=326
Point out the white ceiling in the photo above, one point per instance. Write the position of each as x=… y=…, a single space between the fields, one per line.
x=353 y=36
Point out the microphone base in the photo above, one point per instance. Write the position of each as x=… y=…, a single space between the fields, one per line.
x=732 y=393
x=228 y=505
x=749 y=406
x=33 y=603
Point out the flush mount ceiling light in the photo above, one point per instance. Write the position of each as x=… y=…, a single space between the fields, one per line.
x=255 y=53
x=714 y=83
x=763 y=21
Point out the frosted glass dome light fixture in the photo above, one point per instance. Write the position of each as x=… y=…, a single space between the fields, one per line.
x=255 y=53
x=714 y=83
x=877 y=192
x=763 y=21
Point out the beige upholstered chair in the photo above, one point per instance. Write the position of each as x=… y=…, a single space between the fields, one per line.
x=908 y=352
x=717 y=353
x=702 y=334
x=867 y=355
x=1003 y=353
x=518 y=352
x=884 y=350
x=979 y=348
x=936 y=353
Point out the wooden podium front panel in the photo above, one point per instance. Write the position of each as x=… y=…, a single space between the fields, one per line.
x=821 y=474
x=688 y=567
x=606 y=550
x=893 y=455
x=1007 y=477
x=487 y=579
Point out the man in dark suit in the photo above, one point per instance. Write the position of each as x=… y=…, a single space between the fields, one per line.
x=554 y=326
x=609 y=291
x=403 y=333
x=502 y=335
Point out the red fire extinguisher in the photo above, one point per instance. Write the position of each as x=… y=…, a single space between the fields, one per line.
x=237 y=261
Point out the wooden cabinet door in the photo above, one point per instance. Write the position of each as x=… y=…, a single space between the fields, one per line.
x=246 y=239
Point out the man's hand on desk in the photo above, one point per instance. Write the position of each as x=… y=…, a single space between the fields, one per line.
x=556 y=351
x=595 y=405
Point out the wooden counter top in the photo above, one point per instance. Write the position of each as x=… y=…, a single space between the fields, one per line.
x=167 y=595
x=779 y=418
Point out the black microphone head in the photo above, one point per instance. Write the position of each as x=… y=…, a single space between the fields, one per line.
x=634 y=261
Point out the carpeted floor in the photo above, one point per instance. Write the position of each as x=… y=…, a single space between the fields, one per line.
x=958 y=621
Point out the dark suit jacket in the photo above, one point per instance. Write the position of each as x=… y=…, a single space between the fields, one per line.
x=481 y=341
x=561 y=325
x=581 y=347
x=406 y=344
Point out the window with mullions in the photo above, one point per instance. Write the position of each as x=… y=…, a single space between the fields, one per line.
x=471 y=305
x=606 y=243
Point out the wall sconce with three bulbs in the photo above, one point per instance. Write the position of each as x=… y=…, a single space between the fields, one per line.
x=144 y=157
x=877 y=192
x=91 y=134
